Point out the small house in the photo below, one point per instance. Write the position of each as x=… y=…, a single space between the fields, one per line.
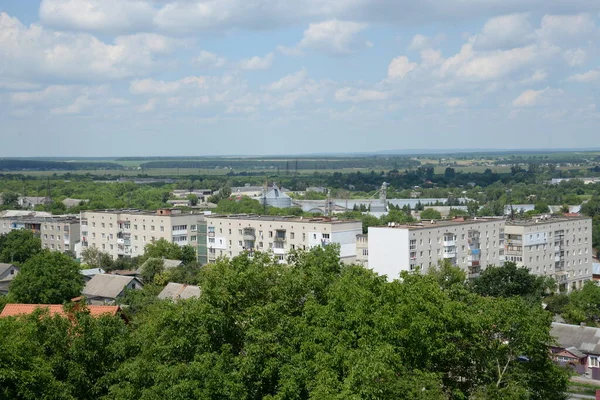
x=105 y=288
x=578 y=346
x=7 y=274
x=177 y=291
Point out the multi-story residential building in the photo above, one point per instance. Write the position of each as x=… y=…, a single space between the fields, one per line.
x=59 y=233
x=362 y=250
x=470 y=244
x=230 y=235
x=125 y=233
x=559 y=247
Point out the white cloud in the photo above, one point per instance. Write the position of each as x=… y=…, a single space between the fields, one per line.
x=54 y=92
x=334 y=37
x=561 y=27
x=359 y=95
x=528 y=98
x=431 y=58
x=256 y=62
x=418 y=42
x=289 y=82
x=399 y=67
x=97 y=15
x=76 y=107
x=503 y=32
x=575 y=57
x=539 y=75
x=207 y=59
x=589 y=76
x=473 y=66
x=33 y=53
x=151 y=86
x=149 y=106
x=290 y=51
x=455 y=102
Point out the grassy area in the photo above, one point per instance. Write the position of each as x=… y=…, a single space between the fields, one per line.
x=582 y=388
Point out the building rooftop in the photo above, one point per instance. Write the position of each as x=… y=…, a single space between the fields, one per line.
x=428 y=224
x=11 y=310
x=584 y=338
x=546 y=219
x=176 y=291
x=266 y=218
x=166 y=212
x=104 y=285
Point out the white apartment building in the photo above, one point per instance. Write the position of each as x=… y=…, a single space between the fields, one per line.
x=362 y=250
x=125 y=233
x=230 y=235
x=470 y=244
x=559 y=247
x=57 y=233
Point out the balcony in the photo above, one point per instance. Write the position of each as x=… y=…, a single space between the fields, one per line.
x=278 y=250
x=249 y=234
x=449 y=243
x=211 y=234
x=449 y=254
x=180 y=232
x=120 y=241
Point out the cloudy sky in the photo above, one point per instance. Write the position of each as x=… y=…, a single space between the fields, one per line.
x=204 y=77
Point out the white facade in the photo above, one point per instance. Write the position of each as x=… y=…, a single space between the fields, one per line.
x=231 y=235
x=125 y=233
x=470 y=244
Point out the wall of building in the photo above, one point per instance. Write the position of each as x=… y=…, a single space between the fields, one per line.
x=388 y=251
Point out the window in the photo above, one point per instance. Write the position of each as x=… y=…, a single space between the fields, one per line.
x=260 y=245
x=111 y=235
x=135 y=227
x=303 y=236
x=103 y=225
x=111 y=246
x=152 y=228
x=211 y=240
x=271 y=234
x=291 y=235
x=52 y=246
x=193 y=228
x=45 y=236
x=365 y=252
x=162 y=228
x=326 y=236
x=180 y=228
x=52 y=237
x=143 y=227
x=93 y=235
x=280 y=257
x=93 y=224
x=239 y=231
x=103 y=246
x=103 y=235
x=193 y=238
x=593 y=362
x=240 y=243
x=110 y=225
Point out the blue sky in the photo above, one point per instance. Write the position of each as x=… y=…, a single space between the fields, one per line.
x=215 y=77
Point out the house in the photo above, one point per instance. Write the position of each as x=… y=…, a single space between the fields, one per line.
x=7 y=274
x=90 y=273
x=105 y=288
x=176 y=291
x=74 y=202
x=578 y=346
x=179 y=203
x=13 y=310
x=31 y=201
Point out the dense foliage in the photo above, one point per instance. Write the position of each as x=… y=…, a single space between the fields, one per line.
x=312 y=329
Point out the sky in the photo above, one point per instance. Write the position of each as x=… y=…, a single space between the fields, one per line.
x=253 y=77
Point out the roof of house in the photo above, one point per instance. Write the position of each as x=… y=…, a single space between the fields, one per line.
x=5 y=267
x=24 y=213
x=11 y=310
x=105 y=285
x=584 y=338
x=179 y=291
x=91 y=271
x=73 y=202
x=575 y=352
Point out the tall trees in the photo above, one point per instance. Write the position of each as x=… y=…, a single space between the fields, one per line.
x=509 y=280
x=47 y=278
x=18 y=246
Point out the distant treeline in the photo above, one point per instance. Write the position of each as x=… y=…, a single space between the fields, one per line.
x=31 y=165
x=288 y=165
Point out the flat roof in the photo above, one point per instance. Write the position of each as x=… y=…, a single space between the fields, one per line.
x=172 y=212
x=548 y=220
x=426 y=224
x=255 y=217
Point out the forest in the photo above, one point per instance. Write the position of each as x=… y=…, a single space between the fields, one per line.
x=312 y=329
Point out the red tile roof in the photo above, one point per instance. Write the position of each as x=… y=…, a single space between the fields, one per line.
x=23 y=309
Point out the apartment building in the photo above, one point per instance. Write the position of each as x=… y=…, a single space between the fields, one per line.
x=469 y=244
x=559 y=247
x=58 y=233
x=362 y=250
x=125 y=233
x=230 y=235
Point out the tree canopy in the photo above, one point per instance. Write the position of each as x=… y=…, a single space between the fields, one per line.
x=49 y=277
x=509 y=280
x=18 y=246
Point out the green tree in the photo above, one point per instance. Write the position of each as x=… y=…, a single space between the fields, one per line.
x=18 y=246
x=10 y=200
x=193 y=199
x=47 y=278
x=541 y=208
x=95 y=258
x=430 y=213
x=151 y=268
x=509 y=280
